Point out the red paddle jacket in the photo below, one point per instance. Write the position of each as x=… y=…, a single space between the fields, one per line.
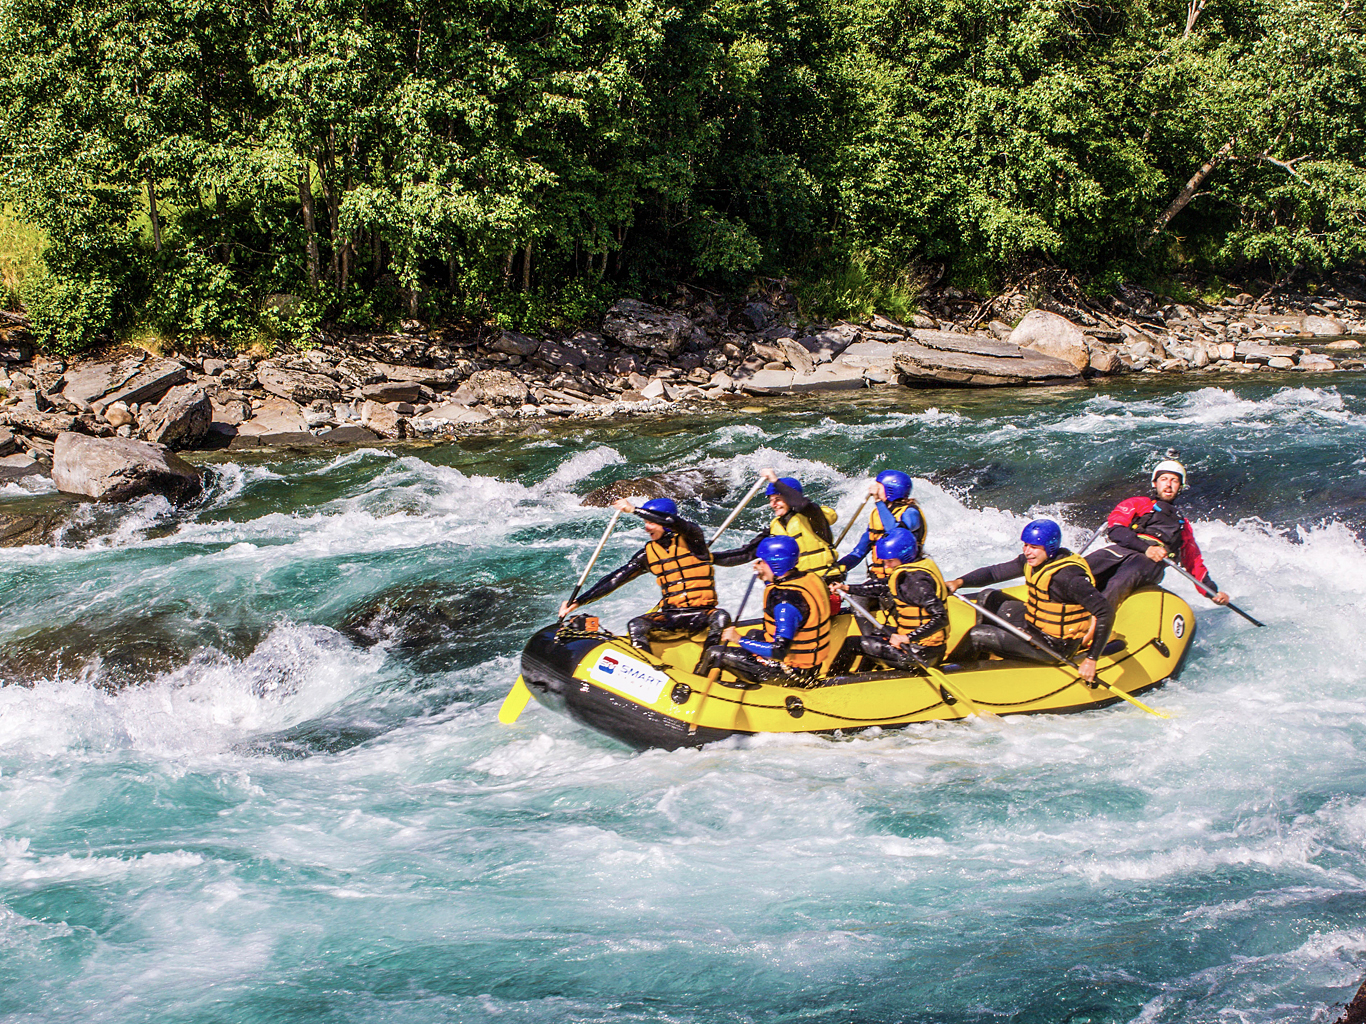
x=1136 y=519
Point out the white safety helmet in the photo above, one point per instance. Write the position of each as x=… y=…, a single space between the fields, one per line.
x=1169 y=466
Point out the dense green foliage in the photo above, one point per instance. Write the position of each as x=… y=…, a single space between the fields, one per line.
x=516 y=160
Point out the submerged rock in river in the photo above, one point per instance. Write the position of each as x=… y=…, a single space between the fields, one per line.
x=686 y=483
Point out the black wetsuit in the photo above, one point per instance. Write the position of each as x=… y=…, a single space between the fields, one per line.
x=1124 y=566
x=798 y=504
x=687 y=620
x=1069 y=585
x=914 y=588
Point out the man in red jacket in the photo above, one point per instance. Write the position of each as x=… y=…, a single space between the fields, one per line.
x=1143 y=533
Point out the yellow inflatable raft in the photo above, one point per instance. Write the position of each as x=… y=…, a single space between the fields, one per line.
x=655 y=699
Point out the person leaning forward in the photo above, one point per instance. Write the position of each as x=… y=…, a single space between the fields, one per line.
x=796 y=516
x=1061 y=601
x=677 y=555
x=1143 y=533
x=914 y=593
x=895 y=508
x=795 y=640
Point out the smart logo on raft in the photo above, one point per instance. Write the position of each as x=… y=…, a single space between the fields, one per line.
x=628 y=676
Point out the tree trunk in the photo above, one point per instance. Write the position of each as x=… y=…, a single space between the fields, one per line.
x=306 y=201
x=1193 y=13
x=507 y=267
x=220 y=214
x=526 y=267
x=1188 y=193
x=152 y=212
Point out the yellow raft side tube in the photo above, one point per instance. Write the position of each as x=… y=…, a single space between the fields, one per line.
x=658 y=701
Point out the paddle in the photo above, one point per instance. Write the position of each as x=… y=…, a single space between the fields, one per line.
x=931 y=671
x=1099 y=530
x=852 y=520
x=592 y=561
x=738 y=509
x=518 y=696
x=1060 y=659
x=715 y=673
x=1201 y=587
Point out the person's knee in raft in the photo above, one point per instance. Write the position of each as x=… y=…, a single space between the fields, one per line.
x=1063 y=610
x=680 y=560
x=795 y=639
x=1143 y=533
x=798 y=517
x=914 y=593
x=894 y=508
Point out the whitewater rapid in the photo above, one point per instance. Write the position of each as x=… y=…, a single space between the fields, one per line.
x=251 y=769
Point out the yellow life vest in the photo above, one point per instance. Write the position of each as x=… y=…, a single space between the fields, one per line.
x=811 y=645
x=813 y=553
x=876 y=533
x=685 y=580
x=910 y=617
x=1055 y=618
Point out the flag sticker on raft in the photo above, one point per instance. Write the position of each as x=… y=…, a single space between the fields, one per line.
x=628 y=676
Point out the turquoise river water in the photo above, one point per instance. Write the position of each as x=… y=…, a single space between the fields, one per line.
x=251 y=768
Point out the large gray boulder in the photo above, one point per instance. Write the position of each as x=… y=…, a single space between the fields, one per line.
x=637 y=324
x=117 y=469
x=498 y=387
x=153 y=379
x=90 y=381
x=297 y=385
x=1053 y=335
x=181 y=419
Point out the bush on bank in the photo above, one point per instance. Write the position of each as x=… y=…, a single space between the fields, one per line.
x=522 y=162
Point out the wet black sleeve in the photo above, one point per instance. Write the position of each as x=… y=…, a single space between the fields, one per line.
x=918 y=589
x=616 y=578
x=1126 y=537
x=876 y=589
x=997 y=573
x=690 y=532
x=1071 y=586
x=739 y=556
x=801 y=505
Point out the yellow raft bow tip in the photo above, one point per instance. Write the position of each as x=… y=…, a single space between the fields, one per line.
x=514 y=702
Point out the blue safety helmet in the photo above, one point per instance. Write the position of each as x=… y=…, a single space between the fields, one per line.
x=780 y=553
x=664 y=506
x=896 y=483
x=1043 y=533
x=791 y=481
x=899 y=544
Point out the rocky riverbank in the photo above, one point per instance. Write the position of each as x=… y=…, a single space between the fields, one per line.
x=428 y=382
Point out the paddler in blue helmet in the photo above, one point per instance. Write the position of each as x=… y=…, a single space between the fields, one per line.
x=795 y=640
x=677 y=554
x=1061 y=602
x=895 y=509
x=913 y=593
x=796 y=516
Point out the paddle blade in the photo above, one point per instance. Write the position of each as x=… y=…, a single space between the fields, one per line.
x=514 y=702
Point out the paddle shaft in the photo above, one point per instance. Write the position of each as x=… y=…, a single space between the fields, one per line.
x=929 y=669
x=1201 y=587
x=593 y=561
x=738 y=509
x=852 y=520
x=1060 y=659
x=1099 y=530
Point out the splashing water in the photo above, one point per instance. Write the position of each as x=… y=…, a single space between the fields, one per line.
x=251 y=767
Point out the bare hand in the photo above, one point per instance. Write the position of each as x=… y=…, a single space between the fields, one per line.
x=898 y=640
x=1088 y=670
x=623 y=505
x=770 y=474
x=1156 y=552
x=877 y=491
x=1220 y=598
x=839 y=588
x=566 y=608
x=952 y=585
x=730 y=635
